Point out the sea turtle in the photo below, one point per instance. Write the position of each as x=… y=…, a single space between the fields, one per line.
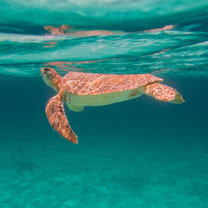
x=78 y=89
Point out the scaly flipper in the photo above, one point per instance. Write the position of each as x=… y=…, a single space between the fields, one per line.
x=57 y=118
x=163 y=93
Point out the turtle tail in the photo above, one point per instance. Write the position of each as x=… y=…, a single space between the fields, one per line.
x=57 y=118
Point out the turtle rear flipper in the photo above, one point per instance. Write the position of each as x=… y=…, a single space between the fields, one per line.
x=76 y=108
x=163 y=93
x=57 y=118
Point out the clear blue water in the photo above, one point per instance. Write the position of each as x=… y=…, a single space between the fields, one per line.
x=138 y=154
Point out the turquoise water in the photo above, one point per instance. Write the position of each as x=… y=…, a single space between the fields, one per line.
x=140 y=153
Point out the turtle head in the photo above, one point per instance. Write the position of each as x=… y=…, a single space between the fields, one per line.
x=51 y=78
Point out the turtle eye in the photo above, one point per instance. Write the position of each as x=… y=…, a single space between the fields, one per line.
x=47 y=73
x=46 y=70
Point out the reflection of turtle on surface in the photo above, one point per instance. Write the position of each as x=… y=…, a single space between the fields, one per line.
x=68 y=30
x=57 y=30
x=90 y=89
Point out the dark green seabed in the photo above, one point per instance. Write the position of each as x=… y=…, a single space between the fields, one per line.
x=140 y=153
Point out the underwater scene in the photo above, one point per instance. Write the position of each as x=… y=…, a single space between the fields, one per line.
x=131 y=77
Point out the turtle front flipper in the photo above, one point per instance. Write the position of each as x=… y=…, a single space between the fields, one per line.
x=163 y=93
x=57 y=118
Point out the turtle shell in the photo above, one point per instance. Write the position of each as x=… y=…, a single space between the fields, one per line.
x=95 y=84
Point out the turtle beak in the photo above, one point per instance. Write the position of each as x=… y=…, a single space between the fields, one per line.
x=42 y=71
